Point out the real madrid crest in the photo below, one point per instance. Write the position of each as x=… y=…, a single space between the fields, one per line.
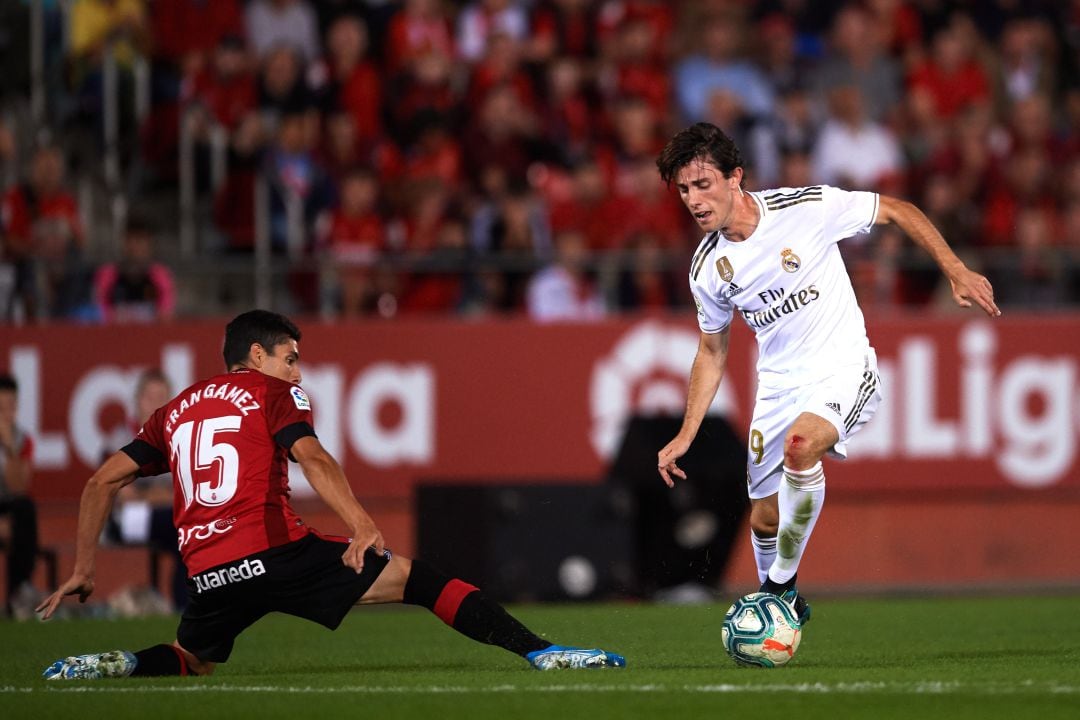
x=789 y=260
x=723 y=266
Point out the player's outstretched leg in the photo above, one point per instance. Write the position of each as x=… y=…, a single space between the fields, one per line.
x=466 y=609
x=801 y=496
x=156 y=661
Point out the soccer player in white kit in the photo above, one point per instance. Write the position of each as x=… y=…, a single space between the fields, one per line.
x=771 y=257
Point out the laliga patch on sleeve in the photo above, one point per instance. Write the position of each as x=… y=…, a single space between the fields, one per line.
x=300 y=398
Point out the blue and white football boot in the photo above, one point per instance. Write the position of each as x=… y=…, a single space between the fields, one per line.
x=798 y=603
x=561 y=657
x=113 y=664
x=789 y=593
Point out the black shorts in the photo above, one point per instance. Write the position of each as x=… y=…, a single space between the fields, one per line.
x=305 y=578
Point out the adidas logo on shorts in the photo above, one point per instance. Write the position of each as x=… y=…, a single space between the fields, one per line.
x=835 y=407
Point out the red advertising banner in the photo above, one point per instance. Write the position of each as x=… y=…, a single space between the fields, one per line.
x=970 y=403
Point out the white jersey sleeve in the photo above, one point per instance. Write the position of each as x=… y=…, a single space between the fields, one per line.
x=848 y=213
x=713 y=314
x=714 y=311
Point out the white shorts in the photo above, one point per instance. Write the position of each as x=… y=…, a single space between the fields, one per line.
x=847 y=399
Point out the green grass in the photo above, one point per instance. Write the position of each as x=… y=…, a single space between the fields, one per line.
x=1013 y=657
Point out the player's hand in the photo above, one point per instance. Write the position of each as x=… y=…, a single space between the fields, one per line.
x=665 y=460
x=969 y=286
x=364 y=537
x=81 y=585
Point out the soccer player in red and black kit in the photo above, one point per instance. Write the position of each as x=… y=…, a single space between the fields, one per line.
x=226 y=441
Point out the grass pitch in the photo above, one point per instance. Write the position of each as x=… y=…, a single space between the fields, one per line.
x=1013 y=657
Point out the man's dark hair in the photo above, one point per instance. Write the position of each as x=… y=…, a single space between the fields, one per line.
x=700 y=141
x=269 y=329
x=7 y=382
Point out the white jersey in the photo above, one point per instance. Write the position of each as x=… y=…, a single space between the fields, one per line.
x=789 y=284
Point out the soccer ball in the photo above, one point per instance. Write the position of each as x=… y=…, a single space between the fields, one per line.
x=762 y=630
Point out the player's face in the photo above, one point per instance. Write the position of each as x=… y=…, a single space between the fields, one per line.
x=283 y=362
x=707 y=194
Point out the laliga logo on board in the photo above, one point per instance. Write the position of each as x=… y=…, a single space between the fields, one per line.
x=644 y=374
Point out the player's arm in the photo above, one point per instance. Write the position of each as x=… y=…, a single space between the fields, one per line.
x=326 y=477
x=967 y=286
x=705 y=377
x=94 y=508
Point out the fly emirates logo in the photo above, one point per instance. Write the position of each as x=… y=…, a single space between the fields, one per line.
x=792 y=303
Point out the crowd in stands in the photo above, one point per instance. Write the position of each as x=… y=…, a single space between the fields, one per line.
x=490 y=156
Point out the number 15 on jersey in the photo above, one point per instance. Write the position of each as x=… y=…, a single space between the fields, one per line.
x=196 y=448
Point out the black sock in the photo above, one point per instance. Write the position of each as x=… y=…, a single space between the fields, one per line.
x=158 y=661
x=467 y=610
x=771 y=586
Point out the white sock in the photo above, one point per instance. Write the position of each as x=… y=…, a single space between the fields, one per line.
x=764 y=554
x=802 y=493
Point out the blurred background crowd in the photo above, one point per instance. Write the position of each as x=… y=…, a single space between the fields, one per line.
x=478 y=157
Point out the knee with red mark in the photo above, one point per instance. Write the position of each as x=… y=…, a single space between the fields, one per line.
x=799 y=453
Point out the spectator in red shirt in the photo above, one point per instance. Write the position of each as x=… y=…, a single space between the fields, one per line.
x=234 y=205
x=40 y=224
x=582 y=207
x=136 y=288
x=342 y=151
x=501 y=67
x=1027 y=183
x=563 y=28
x=43 y=197
x=951 y=75
x=225 y=89
x=352 y=82
x=188 y=32
x=186 y=35
x=427 y=83
x=900 y=27
x=637 y=71
x=436 y=283
x=658 y=14
x=418 y=28
x=645 y=282
x=355 y=238
x=503 y=133
x=435 y=154
x=569 y=110
x=636 y=138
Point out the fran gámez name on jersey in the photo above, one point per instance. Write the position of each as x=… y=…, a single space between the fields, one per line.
x=202 y=532
x=235 y=573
